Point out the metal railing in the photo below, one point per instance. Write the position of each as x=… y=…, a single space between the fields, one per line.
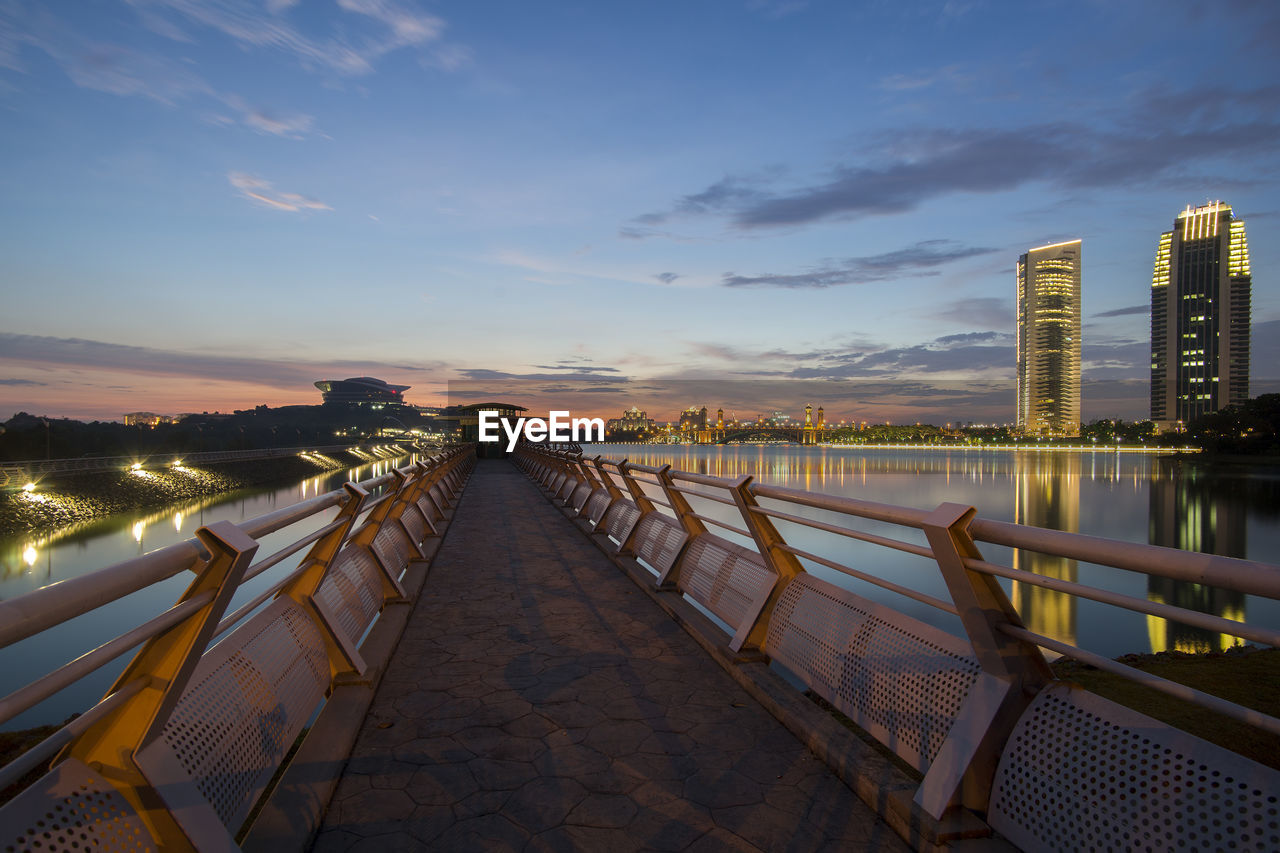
x=348 y=556
x=961 y=710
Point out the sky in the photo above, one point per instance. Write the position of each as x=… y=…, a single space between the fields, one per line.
x=211 y=204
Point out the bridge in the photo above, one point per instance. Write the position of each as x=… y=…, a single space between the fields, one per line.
x=562 y=652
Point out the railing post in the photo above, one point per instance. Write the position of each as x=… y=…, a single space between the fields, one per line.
x=1012 y=671
x=684 y=514
x=391 y=587
x=166 y=662
x=752 y=634
x=343 y=656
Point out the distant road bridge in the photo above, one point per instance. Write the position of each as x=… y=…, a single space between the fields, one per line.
x=559 y=653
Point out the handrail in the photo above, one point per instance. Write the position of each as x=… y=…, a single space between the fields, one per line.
x=1003 y=648
x=1247 y=576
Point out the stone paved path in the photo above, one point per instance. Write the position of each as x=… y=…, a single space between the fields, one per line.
x=539 y=701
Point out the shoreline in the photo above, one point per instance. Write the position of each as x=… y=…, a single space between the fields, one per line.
x=63 y=501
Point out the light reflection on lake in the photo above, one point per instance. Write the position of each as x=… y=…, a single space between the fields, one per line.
x=1229 y=510
x=30 y=562
x=1187 y=503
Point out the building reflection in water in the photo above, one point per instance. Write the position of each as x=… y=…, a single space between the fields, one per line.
x=1191 y=512
x=1047 y=494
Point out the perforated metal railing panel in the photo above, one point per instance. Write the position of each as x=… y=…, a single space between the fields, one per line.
x=249 y=697
x=72 y=808
x=567 y=488
x=557 y=480
x=391 y=546
x=414 y=524
x=1083 y=773
x=580 y=495
x=429 y=506
x=658 y=541
x=725 y=578
x=597 y=504
x=351 y=594
x=901 y=680
x=620 y=518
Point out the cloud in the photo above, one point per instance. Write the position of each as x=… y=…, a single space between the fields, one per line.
x=1149 y=138
x=667 y=277
x=581 y=374
x=1122 y=312
x=289 y=125
x=375 y=29
x=925 y=80
x=577 y=367
x=983 y=311
x=24 y=382
x=42 y=351
x=970 y=337
x=947 y=355
x=920 y=259
x=256 y=189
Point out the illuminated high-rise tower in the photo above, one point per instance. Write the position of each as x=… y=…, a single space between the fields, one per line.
x=1200 y=295
x=1049 y=340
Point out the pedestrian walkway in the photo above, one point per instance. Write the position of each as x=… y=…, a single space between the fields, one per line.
x=540 y=701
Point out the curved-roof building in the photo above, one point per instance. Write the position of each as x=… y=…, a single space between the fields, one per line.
x=361 y=389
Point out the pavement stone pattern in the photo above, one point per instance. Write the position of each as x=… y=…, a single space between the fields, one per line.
x=539 y=701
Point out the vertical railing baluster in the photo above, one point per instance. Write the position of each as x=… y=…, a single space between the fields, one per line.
x=684 y=514
x=343 y=656
x=1012 y=671
x=166 y=661
x=752 y=633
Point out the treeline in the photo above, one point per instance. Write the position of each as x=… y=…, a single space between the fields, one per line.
x=28 y=436
x=1252 y=429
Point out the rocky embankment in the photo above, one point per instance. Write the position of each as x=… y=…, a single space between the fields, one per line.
x=61 y=501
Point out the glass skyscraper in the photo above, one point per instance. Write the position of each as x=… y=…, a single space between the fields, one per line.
x=1200 y=315
x=1049 y=340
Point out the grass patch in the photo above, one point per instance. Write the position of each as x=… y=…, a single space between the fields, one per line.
x=12 y=745
x=1245 y=675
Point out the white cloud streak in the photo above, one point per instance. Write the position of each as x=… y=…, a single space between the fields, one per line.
x=261 y=191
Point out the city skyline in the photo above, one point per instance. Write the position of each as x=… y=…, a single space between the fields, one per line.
x=212 y=206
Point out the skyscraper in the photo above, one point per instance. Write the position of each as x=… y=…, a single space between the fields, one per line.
x=1049 y=340
x=1200 y=296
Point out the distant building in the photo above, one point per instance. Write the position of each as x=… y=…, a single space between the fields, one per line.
x=693 y=419
x=632 y=420
x=1048 y=340
x=1201 y=289
x=469 y=423
x=150 y=419
x=362 y=390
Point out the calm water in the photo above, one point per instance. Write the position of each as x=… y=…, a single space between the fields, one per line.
x=31 y=562
x=1228 y=510
x=1234 y=511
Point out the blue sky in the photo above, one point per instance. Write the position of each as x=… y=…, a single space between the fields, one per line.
x=213 y=204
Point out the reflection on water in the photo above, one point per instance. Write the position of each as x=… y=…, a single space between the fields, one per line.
x=32 y=562
x=1129 y=497
x=1179 y=503
x=1191 y=511
x=1047 y=494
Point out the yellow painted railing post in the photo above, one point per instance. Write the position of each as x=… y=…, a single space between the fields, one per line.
x=783 y=563
x=684 y=514
x=316 y=568
x=1013 y=671
x=166 y=662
